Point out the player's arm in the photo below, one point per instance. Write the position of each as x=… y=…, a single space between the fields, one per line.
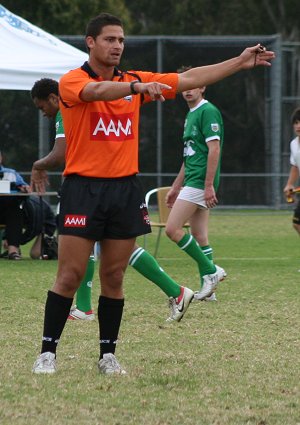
x=205 y=75
x=175 y=188
x=54 y=159
x=212 y=165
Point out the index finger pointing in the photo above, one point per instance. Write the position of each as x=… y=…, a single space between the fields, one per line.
x=165 y=86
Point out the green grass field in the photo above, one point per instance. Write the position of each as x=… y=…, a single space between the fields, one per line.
x=233 y=362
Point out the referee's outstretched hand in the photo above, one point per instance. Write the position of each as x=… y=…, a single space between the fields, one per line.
x=256 y=56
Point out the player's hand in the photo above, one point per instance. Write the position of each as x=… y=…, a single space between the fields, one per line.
x=289 y=193
x=210 y=197
x=288 y=189
x=39 y=180
x=256 y=56
x=154 y=90
x=171 y=197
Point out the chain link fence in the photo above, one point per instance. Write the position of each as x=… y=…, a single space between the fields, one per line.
x=256 y=106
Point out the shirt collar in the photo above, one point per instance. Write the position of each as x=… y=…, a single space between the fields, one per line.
x=202 y=102
x=86 y=67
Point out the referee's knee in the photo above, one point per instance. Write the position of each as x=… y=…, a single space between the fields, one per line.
x=68 y=281
x=112 y=278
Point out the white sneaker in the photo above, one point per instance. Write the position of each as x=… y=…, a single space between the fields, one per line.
x=76 y=314
x=212 y=297
x=210 y=282
x=178 y=306
x=45 y=363
x=109 y=365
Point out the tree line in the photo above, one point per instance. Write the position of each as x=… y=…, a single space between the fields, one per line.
x=171 y=17
x=140 y=17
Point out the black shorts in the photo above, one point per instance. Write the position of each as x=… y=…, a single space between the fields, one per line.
x=99 y=208
x=296 y=216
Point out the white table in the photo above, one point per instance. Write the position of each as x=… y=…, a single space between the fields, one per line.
x=15 y=193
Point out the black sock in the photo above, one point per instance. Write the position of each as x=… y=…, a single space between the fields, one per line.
x=110 y=312
x=56 y=314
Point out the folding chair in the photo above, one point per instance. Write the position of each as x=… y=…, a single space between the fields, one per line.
x=163 y=212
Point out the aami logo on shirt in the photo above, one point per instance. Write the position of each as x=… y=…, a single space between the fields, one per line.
x=111 y=127
x=75 y=220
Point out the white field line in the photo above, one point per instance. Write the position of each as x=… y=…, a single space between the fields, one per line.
x=233 y=258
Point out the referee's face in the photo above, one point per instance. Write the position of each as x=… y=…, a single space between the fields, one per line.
x=108 y=46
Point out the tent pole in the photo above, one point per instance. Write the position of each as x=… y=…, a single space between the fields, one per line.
x=43 y=135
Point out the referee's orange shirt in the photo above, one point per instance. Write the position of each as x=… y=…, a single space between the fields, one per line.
x=102 y=137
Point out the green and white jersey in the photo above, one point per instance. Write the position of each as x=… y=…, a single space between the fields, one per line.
x=59 y=127
x=202 y=124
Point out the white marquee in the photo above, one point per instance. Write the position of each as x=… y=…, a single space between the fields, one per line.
x=27 y=53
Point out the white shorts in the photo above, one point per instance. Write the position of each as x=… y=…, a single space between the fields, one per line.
x=190 y=194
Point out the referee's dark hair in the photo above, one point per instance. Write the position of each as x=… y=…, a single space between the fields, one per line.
x=94 y=27
x=43 y=88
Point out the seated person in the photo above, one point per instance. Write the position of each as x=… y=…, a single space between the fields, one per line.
x=42 y=225
x=10 y=212
x=39 y=222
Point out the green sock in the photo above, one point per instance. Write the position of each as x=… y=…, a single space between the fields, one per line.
x=189 y=245
x=207 y=250
x=144 y=263
x=84 y=292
